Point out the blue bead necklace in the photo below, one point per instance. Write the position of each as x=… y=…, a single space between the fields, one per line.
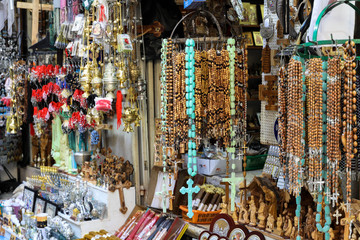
x=190 y=104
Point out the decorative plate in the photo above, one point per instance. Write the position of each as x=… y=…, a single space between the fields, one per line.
x=222 y=224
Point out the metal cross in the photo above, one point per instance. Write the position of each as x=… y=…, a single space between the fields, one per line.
x=190 y=190
x=311 y=184
x=334 y=198
x=319 y=184
x=234 y=182
x=337 y=215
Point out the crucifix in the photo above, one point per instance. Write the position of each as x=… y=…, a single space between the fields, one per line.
x=319 y=184
x=334 y=198
x=120 y=186
x=337 y=215
x=190 y=190
x=347 y=220
x=233 y=181
x=164 y=194
x=35 y=7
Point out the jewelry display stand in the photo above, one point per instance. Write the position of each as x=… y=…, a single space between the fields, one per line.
x=113 y=218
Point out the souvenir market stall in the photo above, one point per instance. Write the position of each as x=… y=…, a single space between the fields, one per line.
x=194 y=119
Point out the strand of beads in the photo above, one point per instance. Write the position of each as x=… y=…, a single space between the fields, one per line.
x=302 y=163
x=198 y=119
x=169 y=95
x=295 y=124
x=190 y=104
x=224 y=95
x=180 y=117
x=325 y=229
x=333 y=126
x=349 y=118
x=314 y=109
x=231 y=148
x=163 y=117
x=282 y=116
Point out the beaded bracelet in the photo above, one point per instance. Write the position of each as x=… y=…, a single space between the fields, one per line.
x=190 y=104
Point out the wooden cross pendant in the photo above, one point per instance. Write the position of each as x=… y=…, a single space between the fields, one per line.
x=120 y=186
x=233 y=181
x=190 y=190
x=35 y=7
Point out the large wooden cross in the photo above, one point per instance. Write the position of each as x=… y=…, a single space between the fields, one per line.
x=35 y=7
x=120 y=186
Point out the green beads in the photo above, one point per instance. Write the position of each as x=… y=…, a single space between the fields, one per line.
x=190 y=104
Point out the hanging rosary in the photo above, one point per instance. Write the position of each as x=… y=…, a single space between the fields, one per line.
x=233 y=180
x=333 y=127
x=322 y=197
x=190 y=110
x=349 y=119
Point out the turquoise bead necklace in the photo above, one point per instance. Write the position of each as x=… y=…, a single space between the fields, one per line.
x=190 y=111
x=190 y=104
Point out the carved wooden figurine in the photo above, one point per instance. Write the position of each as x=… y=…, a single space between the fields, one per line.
x=262 y=213
x=270 y=223
x=288 y=226
x=253 y=211
x=279 y=224
x=309 y=223
x=224 y=205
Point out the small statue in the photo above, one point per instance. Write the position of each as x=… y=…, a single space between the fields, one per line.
x=294 y=228
x=235 y=214
x=252 y=212
x=279 y=224
x=288 y=226
x=309 y=223
x=262 y=214
x=224 y=205
x=270 y=223
x=246 y=216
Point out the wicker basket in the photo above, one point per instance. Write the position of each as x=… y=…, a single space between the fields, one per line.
x=199 y=217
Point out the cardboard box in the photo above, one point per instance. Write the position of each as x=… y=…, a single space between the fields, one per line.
x=215 y=166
